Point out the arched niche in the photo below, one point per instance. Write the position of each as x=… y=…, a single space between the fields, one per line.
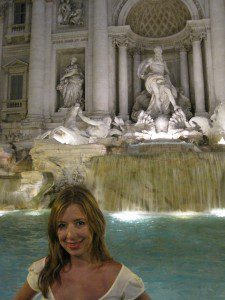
x=123 y=7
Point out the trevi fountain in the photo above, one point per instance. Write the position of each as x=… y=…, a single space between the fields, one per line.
x=128 y=98
x=161 y=159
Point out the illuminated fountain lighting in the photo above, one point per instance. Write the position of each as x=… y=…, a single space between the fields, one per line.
x=221 y=141
x=128 y=216
x=36 y=212
x=4 y=212
x=218 y=212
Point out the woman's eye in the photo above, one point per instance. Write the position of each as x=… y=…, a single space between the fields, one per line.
x=61 y=225
x=80 y=223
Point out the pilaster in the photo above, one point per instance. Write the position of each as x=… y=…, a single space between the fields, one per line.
x=123 y=80
x=184 y=73
x=196 y=39
x=209 y=71
x=217 y=17
x=112 y=77
x=100 y=58
x=48 y=54
x=37 y=62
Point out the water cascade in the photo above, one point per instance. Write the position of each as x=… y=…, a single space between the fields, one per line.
x=159 y=181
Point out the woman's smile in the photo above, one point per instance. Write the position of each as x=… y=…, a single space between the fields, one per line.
x=74 y=245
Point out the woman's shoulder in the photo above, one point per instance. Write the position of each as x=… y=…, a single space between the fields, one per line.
x=38 y=265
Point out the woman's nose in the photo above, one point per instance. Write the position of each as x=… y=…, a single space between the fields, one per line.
x=71 y=231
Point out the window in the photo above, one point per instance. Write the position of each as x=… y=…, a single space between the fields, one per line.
x=16 y=87
x=19 y=13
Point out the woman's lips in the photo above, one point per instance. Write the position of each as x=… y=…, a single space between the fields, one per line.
x=74 y=245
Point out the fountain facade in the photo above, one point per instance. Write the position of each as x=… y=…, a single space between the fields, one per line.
x=85 y=115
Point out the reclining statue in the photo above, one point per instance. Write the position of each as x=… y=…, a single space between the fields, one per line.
x=69 y=132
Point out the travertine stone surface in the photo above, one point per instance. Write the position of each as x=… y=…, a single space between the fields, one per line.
x=217 y=16
x=37 y=60
x=65 y=162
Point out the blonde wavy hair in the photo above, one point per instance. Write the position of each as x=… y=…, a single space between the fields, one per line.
x=58 y=257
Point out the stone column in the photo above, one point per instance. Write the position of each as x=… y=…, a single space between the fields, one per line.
x=1 y=40
x=37 y=62
x=27 y=21
x=100 y=58
x=112 y=76
x=184 y=75
x=209 y=71
x=89 y=60
x=217 y=17
x=1 y=36
x=136 y=80
x=123 y=82
x=198 y=77
x=48 y=54
x=10 y=19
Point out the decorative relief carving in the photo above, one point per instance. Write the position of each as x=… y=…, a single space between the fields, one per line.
x=156 y=19
x=199 y=8
x=3 y=6
x=120 y=4
x=71 y=12
x=197 y=35
x=121 y=41
x=183 y=45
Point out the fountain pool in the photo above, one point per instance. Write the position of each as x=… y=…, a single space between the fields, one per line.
x=179 y=256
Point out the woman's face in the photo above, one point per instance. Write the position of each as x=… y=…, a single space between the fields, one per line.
x=74 y=233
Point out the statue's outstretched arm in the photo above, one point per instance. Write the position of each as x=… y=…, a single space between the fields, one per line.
x=142 y=67
x=69 y=74
x=88 y=120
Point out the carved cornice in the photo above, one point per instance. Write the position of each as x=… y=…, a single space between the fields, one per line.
x=181 y=39
x=70 y=37
x=12 y=50
x=198 y=29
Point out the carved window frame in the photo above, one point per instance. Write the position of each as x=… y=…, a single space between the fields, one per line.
x=18 y=106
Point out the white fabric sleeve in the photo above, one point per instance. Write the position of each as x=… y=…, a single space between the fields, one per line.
x=34 y=271
x=134 y=288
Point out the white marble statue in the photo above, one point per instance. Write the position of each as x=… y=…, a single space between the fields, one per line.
x=70 y=13
x=218 y=118
x=69 y=132
x=157 y=82
x=184 y=102
x=71 y=85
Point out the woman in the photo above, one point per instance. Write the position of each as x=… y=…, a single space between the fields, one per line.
x=79 y=266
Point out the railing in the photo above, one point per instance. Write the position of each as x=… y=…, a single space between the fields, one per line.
x=18 y=30
x=10 y=107
x=18 y=27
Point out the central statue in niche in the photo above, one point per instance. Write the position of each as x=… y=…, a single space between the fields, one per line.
x=157 y=82
x=157 y=103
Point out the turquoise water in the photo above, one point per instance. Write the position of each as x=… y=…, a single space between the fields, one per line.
x=178 y=256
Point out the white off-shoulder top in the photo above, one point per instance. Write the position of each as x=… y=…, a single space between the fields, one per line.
x=127 y=285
